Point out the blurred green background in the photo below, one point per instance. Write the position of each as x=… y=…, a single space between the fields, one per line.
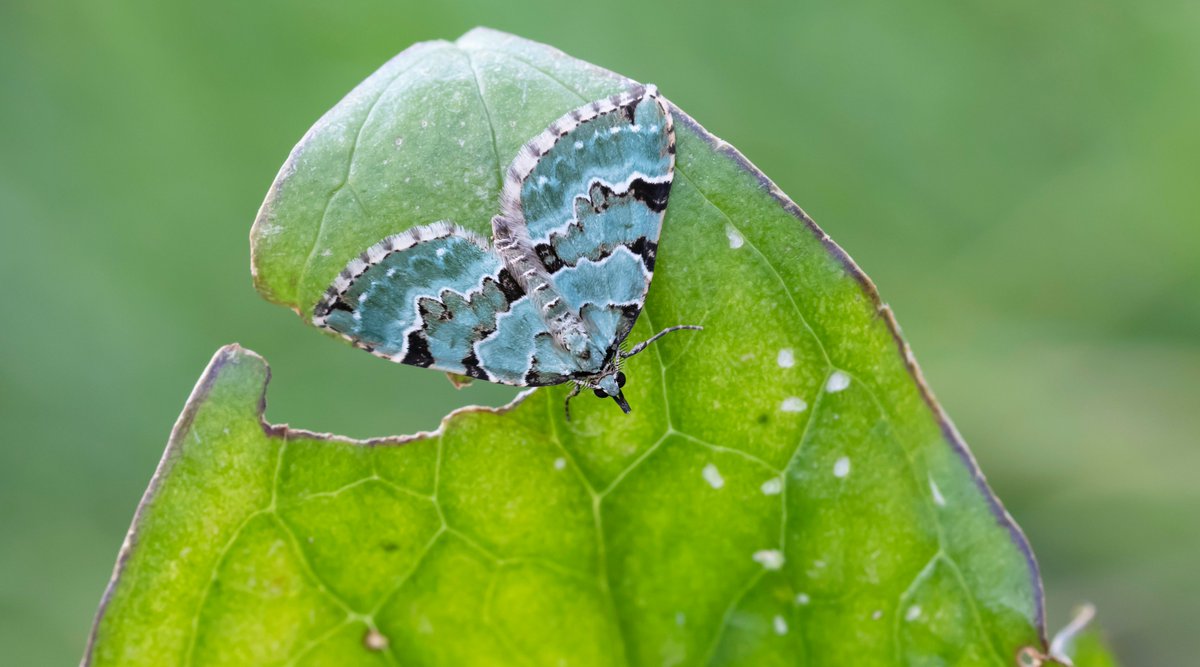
x=1020 y=178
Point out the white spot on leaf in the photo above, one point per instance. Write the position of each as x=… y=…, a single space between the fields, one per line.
x=802 y=598
x=780 y=625
x=713 y=476
x=841 y=467
x=375 y=640
x=913 y=613
x=560 y=463
x=793 y=404
x=938 y=498
x=736 y=240
x=772 y=487
x=770 y=559
x=837 y=382
x=877 y=614
x=786 y=358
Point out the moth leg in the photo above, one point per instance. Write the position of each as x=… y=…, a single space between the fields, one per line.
x=642 y=345
x=567 y=403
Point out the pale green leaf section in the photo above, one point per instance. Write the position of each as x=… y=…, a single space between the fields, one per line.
x=1091 y=650
x=785 y=491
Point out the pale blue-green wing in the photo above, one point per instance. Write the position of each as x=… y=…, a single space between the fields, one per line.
x=523 y=352
x=591 y=191
x=429 y=297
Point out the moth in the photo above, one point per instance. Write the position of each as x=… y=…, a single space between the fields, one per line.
x=555 y=295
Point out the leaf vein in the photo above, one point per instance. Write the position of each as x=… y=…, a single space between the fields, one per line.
x=349 y=168
x=487 y=114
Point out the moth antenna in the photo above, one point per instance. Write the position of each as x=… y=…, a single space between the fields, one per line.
x=646 y=343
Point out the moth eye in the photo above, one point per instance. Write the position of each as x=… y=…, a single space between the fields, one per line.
x=620 y=379
x=599 y=393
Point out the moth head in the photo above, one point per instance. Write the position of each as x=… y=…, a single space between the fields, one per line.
x=609 y=386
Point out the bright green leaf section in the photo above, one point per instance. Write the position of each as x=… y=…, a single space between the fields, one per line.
x=1090 y=650
x=785 y=492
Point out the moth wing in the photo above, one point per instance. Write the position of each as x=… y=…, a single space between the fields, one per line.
x=438 y=297
x=592 y=191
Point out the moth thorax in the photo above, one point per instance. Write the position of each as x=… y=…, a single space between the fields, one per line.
x=581 y=346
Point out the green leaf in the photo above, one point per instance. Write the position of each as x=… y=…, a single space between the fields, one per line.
x=1091 y=650
x=785 y=492
x=1080 y=644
